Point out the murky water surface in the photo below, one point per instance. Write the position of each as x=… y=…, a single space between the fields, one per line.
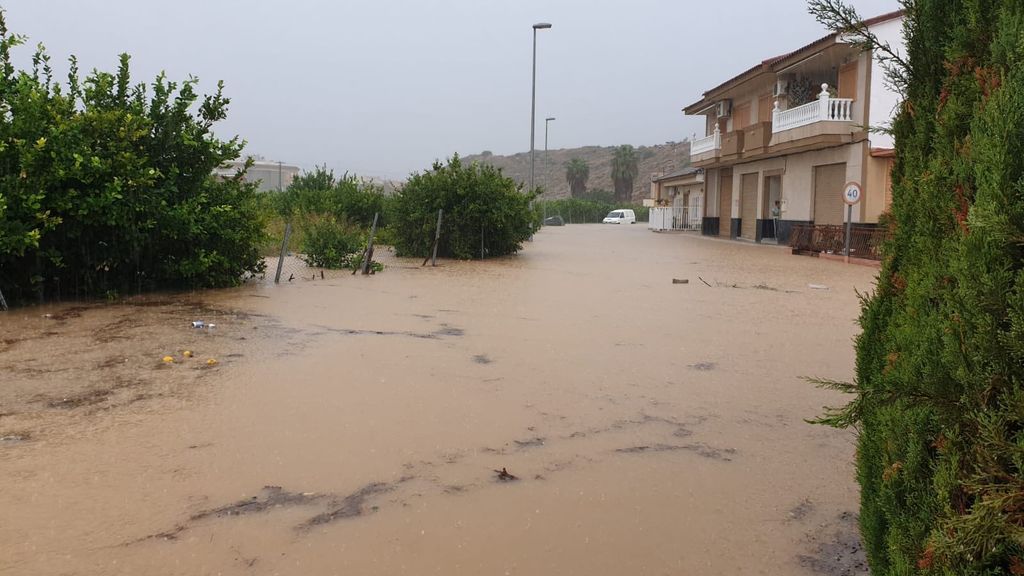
x=570 y=410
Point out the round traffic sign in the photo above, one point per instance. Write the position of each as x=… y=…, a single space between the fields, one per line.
x=851 y=193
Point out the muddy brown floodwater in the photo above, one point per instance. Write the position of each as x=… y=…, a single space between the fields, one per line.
x=569 y=410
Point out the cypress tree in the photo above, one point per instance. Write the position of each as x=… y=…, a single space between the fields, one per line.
x=939 y=391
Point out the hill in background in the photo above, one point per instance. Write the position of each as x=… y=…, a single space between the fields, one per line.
x=550 y=170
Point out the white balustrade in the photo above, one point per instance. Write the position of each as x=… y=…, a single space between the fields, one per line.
x=824 y=109
x=707 y=143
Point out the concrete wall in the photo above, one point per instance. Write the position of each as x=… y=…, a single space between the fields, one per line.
x=878 y=188
x=883 y=101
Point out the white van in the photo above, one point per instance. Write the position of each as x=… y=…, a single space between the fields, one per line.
x=620 y=216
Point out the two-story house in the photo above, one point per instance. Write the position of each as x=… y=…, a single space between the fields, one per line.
x=790 y=132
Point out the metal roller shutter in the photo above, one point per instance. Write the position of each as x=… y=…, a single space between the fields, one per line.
x=725 y=205
x=828 y=193
x=748 y=206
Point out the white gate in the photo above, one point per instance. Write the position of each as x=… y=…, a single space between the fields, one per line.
x=686 y=213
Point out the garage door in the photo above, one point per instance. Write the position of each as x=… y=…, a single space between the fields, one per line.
x=725 y=205
x=828 y=193
x=748 y=206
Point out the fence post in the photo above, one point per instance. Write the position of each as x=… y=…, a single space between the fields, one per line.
x=849 y=223
x=368 y=255
x=3 y=303
x=437 y=237
x=284 y=252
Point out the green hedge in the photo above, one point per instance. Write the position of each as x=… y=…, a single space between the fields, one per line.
x=581 y=211
x=485 y=213
x=939 y=400
x=106 y=187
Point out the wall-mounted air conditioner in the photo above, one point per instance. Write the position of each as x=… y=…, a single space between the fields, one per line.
x=781 y=87
x=724 y=108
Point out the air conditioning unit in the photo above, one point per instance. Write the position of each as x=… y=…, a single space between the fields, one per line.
x=724 y=108
x=781 y=87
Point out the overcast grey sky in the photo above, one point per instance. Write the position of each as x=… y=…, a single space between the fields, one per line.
x=383 y=87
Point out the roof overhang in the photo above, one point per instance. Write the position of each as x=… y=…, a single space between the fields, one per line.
x=777 y=64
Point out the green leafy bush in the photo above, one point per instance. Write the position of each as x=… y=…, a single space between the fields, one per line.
x=939 y=402
x=328 y=243
x=319 y=192
x=106 y=186
x=484 y=212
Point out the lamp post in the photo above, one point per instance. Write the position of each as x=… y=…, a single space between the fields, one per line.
x=533 y=97
x=546 y=121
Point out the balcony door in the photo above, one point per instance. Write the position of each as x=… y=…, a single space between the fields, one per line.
x=848 y=81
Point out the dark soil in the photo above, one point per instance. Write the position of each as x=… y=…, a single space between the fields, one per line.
x=838 y=552
x=704 y=450
x=350 y=506
x=270 y=497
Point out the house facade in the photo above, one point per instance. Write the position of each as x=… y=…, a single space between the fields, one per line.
x=784 y=137
x=268 y=175
x=677 y=200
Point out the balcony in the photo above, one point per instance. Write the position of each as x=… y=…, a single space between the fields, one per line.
x=732 y=145
x=824 y=109
x=756 y=138
x=706 y=144
x=707 y=148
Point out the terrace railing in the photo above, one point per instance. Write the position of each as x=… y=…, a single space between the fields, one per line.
x=824 y=109
x=830 y=239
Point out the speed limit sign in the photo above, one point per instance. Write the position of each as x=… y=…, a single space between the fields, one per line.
x=851 y=193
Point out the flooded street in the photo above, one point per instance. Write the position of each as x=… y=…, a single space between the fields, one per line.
x=359 y=425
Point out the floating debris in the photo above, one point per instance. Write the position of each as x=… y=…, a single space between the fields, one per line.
x=503 y=475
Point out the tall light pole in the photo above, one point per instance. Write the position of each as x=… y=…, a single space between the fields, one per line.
x=546 y=121
x=533 y=97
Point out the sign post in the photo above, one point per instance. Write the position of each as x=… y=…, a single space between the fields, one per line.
x=851 y=195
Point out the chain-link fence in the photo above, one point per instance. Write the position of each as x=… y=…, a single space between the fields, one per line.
x=291 y=260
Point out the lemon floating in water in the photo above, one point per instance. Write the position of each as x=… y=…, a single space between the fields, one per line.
x=211 y=362
x=187 y=353
x=168 y=359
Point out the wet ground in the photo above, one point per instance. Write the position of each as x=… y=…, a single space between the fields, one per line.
x=570 y=410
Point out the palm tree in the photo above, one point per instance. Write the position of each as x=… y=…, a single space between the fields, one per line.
x=625 y=166
x=576 y=174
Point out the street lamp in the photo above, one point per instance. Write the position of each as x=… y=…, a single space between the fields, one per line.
x=546 y=167
x=533 y=97
x=546 y=121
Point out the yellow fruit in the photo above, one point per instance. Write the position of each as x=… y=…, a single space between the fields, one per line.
x=187 y=353
x=168 y=359
x=211 y=362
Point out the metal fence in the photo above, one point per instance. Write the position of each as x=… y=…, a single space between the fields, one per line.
x=676 y=218
x=831 y=239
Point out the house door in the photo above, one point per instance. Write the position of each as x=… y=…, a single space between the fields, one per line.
x=748 y=206
x=725 y=204
x=828 y=193
x=773 y=194
x=695 y=210
x=848 y=81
